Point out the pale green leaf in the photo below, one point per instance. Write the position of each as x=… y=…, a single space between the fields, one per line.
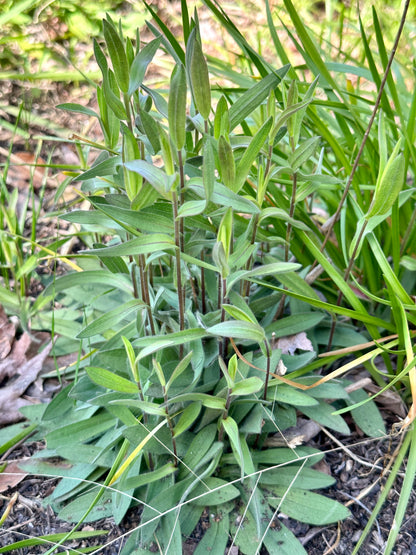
x=307 y=506
x=247 y=386
x=108 y=320
x=238 y=330
x=109 y=380
x=187 y=418
x=224 y=492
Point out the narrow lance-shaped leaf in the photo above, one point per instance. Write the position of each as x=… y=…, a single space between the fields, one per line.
x=292 y=98
x=227 y=164
x=129 y=51
x=177 y=106
x=181 y=367
x=233 y=366
x=388 y=185
x=130 y=151
x=238 y=330
x=140 y=63
x=298 y=117
x=284 y=116
x=159 y=372
x=111 y=97
x=108 y=320
x=141 y=245
x=250 y=154
x=187 y=418
x=155 y=343
x=208 y=170
x=254 y=96
x=151 y=129
x=304 y=152
x=220 y=259
x=247 y=386
x=221 y=119
x=109 y=380
x=100 y=57
x=154 y=175
x=166 y=151
x=72 y=107
x=118 y=55
x=131 y=357
x=228 y=378
x=106 y=167
x=231 y=429
x=225 y=231
x=198 y=74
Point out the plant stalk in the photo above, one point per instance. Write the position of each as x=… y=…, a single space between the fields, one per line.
x=346 y=277
x=178 y=267
x=145 y=292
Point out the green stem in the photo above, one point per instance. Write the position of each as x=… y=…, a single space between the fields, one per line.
x=246 y=284
x=346 y=278
x=225 y=415
x=203 y=294
x=172 y=432
x=291 y=212
x=178 y=267
x=405 y=492
x=145 y=292
x=181 y=199
x=223 y=288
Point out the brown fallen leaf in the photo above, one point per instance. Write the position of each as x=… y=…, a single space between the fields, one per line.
x=16 y=357
x=11 y=476
x=7 y=333
x=24 y=375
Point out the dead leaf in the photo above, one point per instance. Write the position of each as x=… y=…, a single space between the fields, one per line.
x=389 y=400
x=24 y=374
x=11 y=476
x=302 y=433
x=16 y=357
x=291 y=343
x=7 y=333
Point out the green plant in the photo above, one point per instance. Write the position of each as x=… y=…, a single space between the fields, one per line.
x=175 y=295
x=206 y=199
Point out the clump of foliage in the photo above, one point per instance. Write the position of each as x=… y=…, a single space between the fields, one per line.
x=204 y=247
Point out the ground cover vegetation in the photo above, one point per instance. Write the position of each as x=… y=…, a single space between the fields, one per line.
x=240 y=232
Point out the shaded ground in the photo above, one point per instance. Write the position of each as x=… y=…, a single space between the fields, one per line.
x=356 y=472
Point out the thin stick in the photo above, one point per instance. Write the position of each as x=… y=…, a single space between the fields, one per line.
x=332 y=221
